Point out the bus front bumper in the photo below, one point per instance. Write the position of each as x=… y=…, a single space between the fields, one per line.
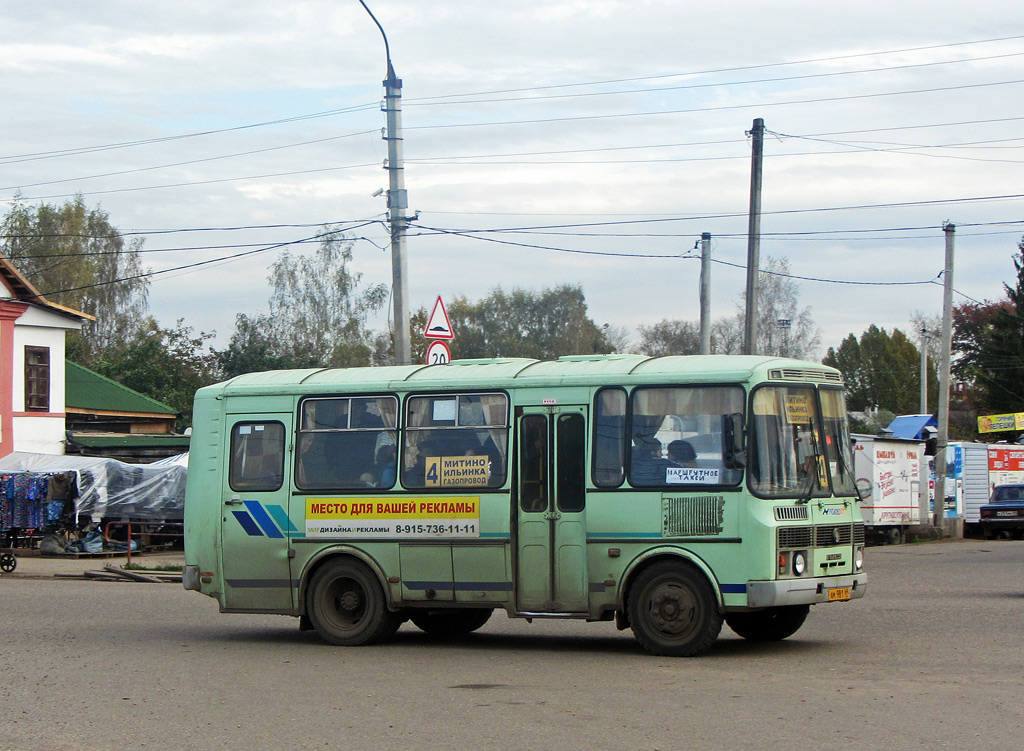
x=768 y=594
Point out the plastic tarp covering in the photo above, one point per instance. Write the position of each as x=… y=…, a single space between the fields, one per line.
x=111 y=489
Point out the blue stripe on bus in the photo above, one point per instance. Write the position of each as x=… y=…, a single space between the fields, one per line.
x=733 y=589
x=281 y=517
x=448 y=586
x=262 y=583
x=247 y=524
x=645 y=535
x=263 y=519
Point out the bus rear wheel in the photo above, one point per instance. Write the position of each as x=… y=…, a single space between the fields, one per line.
x=347 y=606
x=770 y=624
x=449 y=623
x=673 y=611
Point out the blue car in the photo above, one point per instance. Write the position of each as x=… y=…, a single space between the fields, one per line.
x=1004 y=513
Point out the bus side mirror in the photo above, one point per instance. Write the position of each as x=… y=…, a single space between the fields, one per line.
x=732 y=438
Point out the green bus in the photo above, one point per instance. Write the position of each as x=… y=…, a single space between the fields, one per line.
x=668 y=494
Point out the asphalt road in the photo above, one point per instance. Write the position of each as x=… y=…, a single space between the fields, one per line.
x=931 y=658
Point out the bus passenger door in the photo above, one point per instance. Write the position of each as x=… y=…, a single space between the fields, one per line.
x=255 y=524
x=551 y=561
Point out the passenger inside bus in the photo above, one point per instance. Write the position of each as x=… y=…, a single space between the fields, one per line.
x=681 y=453
x=648 y=465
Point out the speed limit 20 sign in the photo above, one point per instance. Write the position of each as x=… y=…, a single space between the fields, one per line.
x=438 y=353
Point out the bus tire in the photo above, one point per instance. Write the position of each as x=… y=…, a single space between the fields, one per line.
x=347 y=606
x=673 y=610
x=770 y=624
x=450 y=623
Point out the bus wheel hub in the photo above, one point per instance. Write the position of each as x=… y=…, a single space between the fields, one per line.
x=669 y=613
x=349 y=600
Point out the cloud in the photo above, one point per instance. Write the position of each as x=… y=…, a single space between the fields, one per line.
x=536 y=122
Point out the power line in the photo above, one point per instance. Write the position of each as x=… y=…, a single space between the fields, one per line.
x=213 y=181
x=75 y=151
x=715 y=85
x=719 y=108
x=189 y=162
x=198 y=264
x=684 y=256
x=732 y=215
x=725 y=70
x=719 y=142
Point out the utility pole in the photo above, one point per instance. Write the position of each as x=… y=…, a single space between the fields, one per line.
x=398 y=203
x=924 y=371
x=753 y=236
x=705 y=293
x=942 y=439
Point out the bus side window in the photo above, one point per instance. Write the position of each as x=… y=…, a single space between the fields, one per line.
x=609 y=438
x=257 y=456
x=533 y=484
x=343 y=443
x=455 y=440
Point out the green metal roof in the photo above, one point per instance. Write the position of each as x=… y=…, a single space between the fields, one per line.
x=507 y=372
x=133 y=440
x=86 y=390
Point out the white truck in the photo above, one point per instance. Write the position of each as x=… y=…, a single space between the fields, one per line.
x=967 y=484
x=889 y=473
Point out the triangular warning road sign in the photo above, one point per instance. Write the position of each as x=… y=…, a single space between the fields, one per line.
x=438 y=325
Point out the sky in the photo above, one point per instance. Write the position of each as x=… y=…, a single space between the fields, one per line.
x=545 y=143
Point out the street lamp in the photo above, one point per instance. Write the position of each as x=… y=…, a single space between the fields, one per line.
x=784 y=325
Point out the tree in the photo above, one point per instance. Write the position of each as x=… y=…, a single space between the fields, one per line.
x=990 y=341
x=251 y=349
x=168 y=365
x=75 y=257
x=670 y=338
x=778 y=302
x=318 y=315
x=519 y=323
x=880 y=371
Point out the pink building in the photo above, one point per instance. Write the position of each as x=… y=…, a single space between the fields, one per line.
x=32 y=334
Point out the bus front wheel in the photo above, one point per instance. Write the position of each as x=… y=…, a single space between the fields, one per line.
x=449 y=623
x=673 y=610
x=346 y=605
x=770 y=624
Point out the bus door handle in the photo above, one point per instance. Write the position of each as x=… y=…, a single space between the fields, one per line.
x=233 y=501
x=554 y=515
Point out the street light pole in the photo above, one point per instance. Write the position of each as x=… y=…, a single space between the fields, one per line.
x=398 y=203
x=784 y=325
x=753 y=237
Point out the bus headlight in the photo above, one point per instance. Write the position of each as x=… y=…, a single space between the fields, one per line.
x=800 y=563
x=858 y=559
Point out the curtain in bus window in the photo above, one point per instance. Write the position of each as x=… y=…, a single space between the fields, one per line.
x=676 y=435
x=610 y=438
x=257 y=456
x=347 y=443
x=456 y=440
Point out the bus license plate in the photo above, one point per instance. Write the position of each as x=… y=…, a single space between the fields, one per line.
x=839 y=593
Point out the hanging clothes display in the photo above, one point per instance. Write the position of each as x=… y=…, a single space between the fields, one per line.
x=30 y=500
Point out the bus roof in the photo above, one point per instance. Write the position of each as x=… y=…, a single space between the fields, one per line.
x=511 y=372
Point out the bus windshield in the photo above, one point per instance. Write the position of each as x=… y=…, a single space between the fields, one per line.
x=800 y=448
